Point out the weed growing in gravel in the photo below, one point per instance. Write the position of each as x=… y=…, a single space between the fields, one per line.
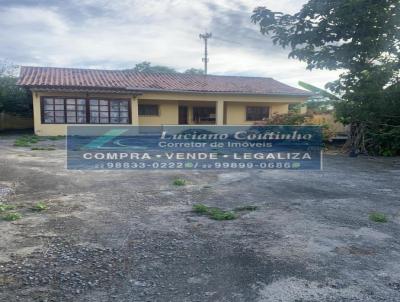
x=213 y=212
x=43 y=148
x=378 y=217
x=6 y=207
x=26 y=141
x=179 y=182
x=200 y=208
x=218 y=214
x=12 y=216
x=39 y=207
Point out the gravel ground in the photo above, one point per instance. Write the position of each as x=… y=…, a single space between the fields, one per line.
x=131 y=236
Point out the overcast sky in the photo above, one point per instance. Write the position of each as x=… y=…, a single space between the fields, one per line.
x=118 y=34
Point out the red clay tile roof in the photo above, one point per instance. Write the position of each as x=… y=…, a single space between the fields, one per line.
x=51 y=77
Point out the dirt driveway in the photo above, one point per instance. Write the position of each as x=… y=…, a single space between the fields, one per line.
x=131 y=236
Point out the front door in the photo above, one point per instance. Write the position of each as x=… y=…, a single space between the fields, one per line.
x=183 y=115
x=204 y=115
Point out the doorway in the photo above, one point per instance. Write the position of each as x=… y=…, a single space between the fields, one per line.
x=204 y=115
x=183 y=115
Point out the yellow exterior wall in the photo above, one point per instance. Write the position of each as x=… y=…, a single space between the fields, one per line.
x=235 y=112
x=167 y=113
x=44 y=129
x=234 y=107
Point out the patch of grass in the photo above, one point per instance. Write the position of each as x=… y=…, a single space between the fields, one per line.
x=38 y=148
x=213 y=212
x=21 y=143
x=12 y=216
x=245 y=208
x=218 y=214
x=200 y=208
x=378 y=217
x=6 y=207
x=39 y=207
x=179 y=182
x=26 y=141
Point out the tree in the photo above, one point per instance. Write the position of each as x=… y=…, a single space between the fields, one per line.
x=13 y=99
x=321 y=101
x=361 y=37
x=194 y=71
x=146 y=67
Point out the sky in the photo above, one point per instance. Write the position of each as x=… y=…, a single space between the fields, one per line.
x=121 y=33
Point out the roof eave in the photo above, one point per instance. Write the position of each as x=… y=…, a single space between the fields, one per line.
x=139 y=91
x=118 y=90
x=305 y=95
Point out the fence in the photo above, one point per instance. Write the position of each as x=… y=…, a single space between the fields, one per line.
x=12 y=122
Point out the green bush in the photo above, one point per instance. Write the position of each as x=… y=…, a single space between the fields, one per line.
x=291 y=118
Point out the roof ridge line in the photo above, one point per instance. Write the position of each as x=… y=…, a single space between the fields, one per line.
x=146 y=73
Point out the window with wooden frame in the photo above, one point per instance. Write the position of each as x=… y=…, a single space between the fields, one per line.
x=109 y=111
x=59 y=110
x=257 y=113
x=148 y=109
x=53 y=111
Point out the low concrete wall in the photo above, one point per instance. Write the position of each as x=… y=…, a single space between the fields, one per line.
x=12 y=122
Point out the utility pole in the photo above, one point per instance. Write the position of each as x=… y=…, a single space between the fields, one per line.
x=205 y=37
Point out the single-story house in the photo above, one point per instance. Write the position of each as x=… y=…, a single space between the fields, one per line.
x=64 y=96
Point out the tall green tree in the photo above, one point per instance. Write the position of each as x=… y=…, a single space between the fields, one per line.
x=194 y=71
x=13 y=99
x=362 y=38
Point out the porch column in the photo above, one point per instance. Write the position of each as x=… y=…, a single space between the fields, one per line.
x=219 y=119
x=134 y=111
